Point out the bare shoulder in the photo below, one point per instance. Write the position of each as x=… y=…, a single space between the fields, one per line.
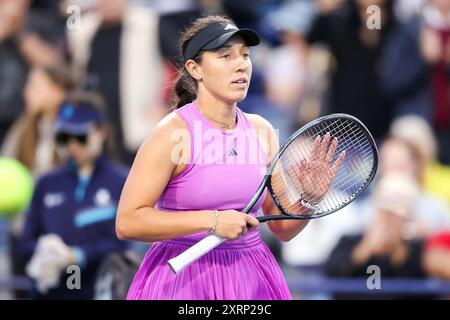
x=259 y=122
x=171 y=121
x=166 y=129
x=265 y=132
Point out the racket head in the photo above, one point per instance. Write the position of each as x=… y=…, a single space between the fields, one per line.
x=351 y=178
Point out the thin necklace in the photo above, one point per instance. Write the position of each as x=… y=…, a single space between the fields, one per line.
x=224 y=125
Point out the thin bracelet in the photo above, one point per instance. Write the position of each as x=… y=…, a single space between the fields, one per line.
x=216 y=220
x=308 y=205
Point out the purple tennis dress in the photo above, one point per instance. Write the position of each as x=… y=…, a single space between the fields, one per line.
x=225 y=169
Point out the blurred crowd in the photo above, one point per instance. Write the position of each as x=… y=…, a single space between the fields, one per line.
x=68 y=64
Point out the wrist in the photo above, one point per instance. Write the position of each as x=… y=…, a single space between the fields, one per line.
x=215 y=221
x=309 y=203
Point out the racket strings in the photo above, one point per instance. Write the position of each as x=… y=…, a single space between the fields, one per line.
x=349 y=183
x=345 y=145
x=351 y=176
x=304 y=153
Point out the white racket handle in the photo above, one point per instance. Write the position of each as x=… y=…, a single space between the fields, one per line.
x=194 y=253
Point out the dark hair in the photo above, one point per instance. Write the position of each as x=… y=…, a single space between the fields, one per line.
x=28 y=137
x=185 y=88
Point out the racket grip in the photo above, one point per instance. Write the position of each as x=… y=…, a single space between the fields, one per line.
x=194 y=253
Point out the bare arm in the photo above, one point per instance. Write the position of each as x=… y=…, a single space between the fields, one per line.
x=137 y=217
x=155 y=164
x=37 y=51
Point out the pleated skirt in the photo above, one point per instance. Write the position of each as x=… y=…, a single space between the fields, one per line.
x=226 y=273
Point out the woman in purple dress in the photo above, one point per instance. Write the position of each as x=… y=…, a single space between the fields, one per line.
x=197 y=171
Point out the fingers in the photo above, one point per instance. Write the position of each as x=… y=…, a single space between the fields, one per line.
x=320 y=146
x=315 y=149
x=252 y=222
x=324 y=146
x=244 y=231
x=319 y=151
x=337 y=163
x=302 y=170
x=331 y=151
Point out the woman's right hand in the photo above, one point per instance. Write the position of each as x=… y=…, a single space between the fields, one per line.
x=232 y=224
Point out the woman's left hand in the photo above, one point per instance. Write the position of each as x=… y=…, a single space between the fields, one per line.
x=317 y=172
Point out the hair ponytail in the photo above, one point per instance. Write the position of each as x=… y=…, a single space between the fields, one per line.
x=184 y=91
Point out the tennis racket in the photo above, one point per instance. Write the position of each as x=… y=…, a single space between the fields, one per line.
x=323 y=167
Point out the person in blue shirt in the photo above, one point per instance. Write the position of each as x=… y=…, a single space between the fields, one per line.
x=70 y=223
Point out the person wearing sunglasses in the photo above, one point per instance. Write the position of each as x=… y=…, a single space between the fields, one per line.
x=69 y=226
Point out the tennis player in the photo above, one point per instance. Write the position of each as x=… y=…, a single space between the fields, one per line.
x=178 y=193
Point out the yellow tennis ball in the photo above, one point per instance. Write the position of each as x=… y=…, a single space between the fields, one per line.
x=16 y=187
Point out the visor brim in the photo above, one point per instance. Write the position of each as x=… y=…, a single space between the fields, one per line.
x=250 y=37
x=72 y=128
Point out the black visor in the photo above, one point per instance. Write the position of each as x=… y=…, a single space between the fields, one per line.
x=216 y=35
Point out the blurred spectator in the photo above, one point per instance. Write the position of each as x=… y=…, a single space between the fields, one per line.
x=357 y=64
x=30 y=140
x=407 y=9
x=384 y=242
x=42 y=40
x=71 y=218
x=418 y=133
x=434 y=176
x=32 y=33
x=435 y=48
x=292 y=78
x=13 y=66
x=429 y=214
x=174 y=16
x=117 y=46
x=249 y=13
x=437 y=256
x=289 y=89
x=416 y=70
